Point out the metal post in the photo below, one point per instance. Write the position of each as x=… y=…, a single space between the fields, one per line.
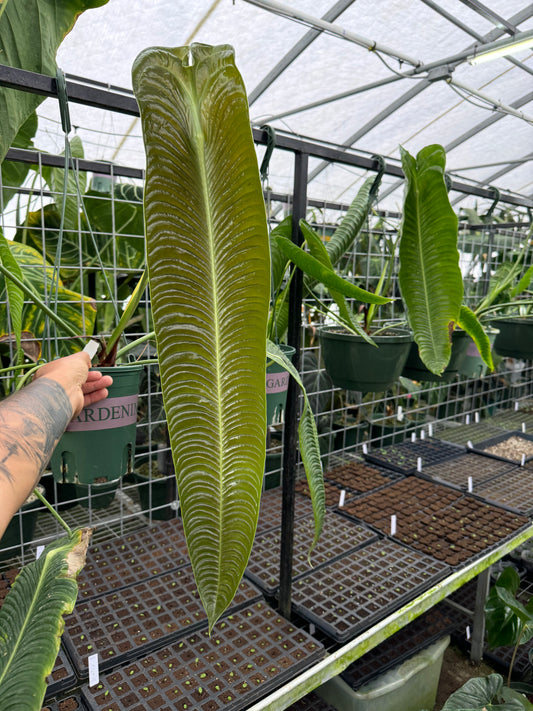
x=291 y=411
x=478 y=626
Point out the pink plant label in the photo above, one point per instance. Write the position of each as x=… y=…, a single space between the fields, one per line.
x=277 y=382
x=106 y=415
x=472 y=350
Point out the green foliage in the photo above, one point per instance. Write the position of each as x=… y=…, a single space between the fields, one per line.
x=31 y=621
x=508 y=621
x=309 y=446
x=209 y=267
x=429 y=276
x=486 y=694
x=30 y=34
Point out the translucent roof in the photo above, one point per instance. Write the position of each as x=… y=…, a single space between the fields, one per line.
x=288 y=66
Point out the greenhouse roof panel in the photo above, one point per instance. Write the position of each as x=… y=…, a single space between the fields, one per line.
x=288 y=64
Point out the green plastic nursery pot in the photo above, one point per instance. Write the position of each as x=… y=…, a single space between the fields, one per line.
x=100 y=442
x=21 y=528
x=354 y=364
x=416 y=370
x=411 y=686
x=277 y=383
x=515 y=337
x=473 y=365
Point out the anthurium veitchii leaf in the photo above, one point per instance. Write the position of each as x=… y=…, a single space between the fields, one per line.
x=209 y=269
x=30 y=35
x=31 y=621
x=309 y=446
x=470 y=323
x=429 y=275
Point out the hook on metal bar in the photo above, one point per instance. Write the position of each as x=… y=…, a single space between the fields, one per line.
x=271 y=144
x=61 y=86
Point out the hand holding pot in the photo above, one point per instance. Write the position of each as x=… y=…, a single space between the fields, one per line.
x=82 y=386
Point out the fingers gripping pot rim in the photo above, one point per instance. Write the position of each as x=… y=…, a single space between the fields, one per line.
x=100 y=442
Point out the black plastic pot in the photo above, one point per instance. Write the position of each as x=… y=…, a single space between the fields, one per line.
x=354 y=364
x=98 y=495
x=515 y=337
x=157 y=493
x=416 y=370
x=277 y=383
x=100 y=442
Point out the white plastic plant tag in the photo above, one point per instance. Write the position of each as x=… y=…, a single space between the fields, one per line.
x=393 y=525
x=430 y=429
x=413 y=436
x=94 y=672
x=422 y=434
x=476 y=417
x=470 y=485
x=419 y=464
x=399 y=414
x=311 y=628
x=365 y=448
x=523 y=460
x=341 y=498
x=516 y=405
x=524 y=427
x=469 y=444
x=38 y=552
x=468 y=632
x=91 y=348
x=467 y=420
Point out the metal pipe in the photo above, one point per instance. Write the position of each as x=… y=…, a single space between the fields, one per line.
x=290 y=444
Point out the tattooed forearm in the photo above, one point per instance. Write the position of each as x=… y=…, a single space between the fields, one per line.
x=31 y=422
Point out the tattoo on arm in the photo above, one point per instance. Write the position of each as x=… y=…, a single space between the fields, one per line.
x=31 y=422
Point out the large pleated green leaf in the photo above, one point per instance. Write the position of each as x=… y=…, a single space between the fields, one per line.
x=31 y=621
x=429 y=276
x=209 y=268
x=30 y=34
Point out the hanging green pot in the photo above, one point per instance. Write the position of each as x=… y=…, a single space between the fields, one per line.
x=515 y=337
x=277 y=383
x=354 y=364
x=473 y=365
x=100 y=442
x=416 y=370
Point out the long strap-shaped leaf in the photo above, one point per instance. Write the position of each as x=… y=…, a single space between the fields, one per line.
x=309 y=446
x=430 y=279
x=31 y=621
x=470 y=323
x=209 y=269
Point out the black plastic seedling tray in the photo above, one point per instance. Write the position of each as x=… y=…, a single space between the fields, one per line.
x=339 y=537
x=434 y=518
x=126 y=624
x=144 y=554
x=62 y=677
x=514 y=489
x=512 y=421
x=404 y=457
x=68 y=703
x=270 y=510
x=248 y=655
x=419 y=634
x=358 y=477
x=455 y=472
x=311 y=702
x=356 y=591
x=332 y=492
x=474 y=432
x=506 y=438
